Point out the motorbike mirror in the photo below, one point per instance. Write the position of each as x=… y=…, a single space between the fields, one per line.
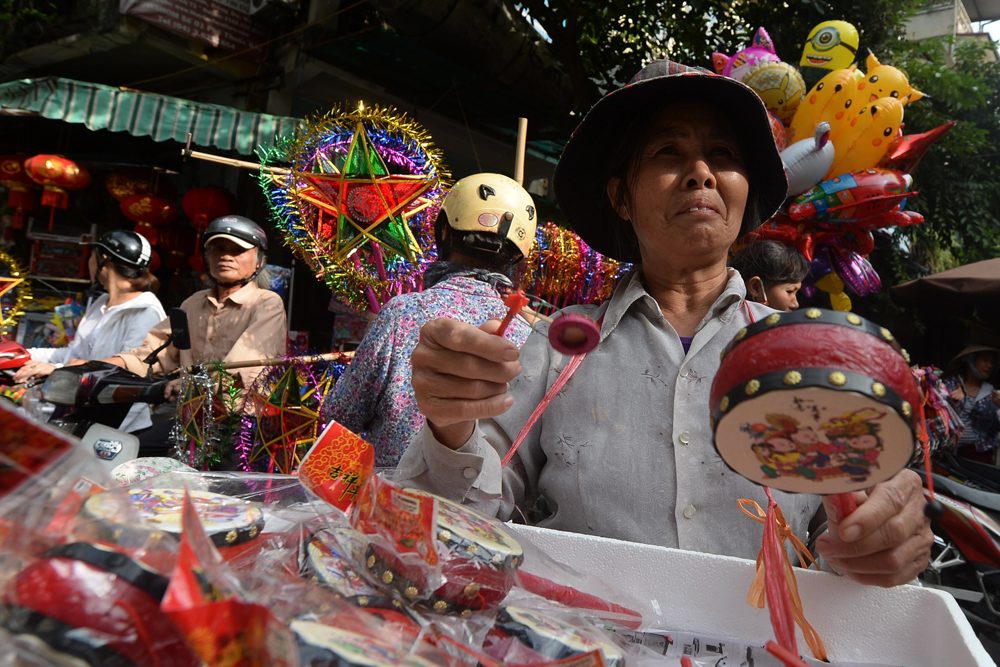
x=179 y=329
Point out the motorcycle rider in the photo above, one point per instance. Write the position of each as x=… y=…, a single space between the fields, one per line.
x=234 y=320
x=115 y=321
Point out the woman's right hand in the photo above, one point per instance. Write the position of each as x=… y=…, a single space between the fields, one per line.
x=461 y=374
x=957 y=394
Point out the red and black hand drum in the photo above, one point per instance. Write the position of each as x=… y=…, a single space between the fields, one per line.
x=814 y=401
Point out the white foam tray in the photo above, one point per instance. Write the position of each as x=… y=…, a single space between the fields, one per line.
x=905 y=625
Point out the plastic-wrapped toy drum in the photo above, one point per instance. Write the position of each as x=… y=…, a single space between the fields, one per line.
x=479 y=560
x=227 y=520
x=97 y=605
x=814 y=401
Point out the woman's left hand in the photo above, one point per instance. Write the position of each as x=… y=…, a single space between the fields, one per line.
x=887 y=540
x=33 y=370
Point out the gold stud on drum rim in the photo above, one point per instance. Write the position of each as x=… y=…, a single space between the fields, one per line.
x=878 y=389
x=886 y=334
x=753 y=386
x=792 y=378
x=906 y=408
x=724 y=404
x=854 y=319
x=741 y=334
x=837 y=379
x=772 y=319
x=814 y=313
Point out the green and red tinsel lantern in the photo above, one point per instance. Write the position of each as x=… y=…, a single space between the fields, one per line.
x=123 y=183
x=19 y=186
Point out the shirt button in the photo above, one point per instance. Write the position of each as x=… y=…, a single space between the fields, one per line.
x=684 y=438
x=470 y=473
x=689 y=512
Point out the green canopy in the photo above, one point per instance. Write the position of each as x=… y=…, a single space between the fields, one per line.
x=163 y=118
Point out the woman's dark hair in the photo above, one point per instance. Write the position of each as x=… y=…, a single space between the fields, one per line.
x=140 y=280
x=146 y=282
x=623 y=164
x=774 y=263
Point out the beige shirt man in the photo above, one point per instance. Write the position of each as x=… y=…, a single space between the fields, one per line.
x=248 y=324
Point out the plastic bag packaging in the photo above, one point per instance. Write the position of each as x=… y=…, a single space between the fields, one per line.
x=67 y=594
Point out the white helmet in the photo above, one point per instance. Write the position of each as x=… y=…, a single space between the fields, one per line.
x=492 y=203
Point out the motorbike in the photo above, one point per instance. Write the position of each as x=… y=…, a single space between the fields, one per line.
x=92 y=399
x=13 y=356
x=965 y=557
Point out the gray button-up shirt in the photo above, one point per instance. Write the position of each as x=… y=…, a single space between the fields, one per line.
x=625 y=449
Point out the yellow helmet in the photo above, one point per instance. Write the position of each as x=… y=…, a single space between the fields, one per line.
x=492 y=203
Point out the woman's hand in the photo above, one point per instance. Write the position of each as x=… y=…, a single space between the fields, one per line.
x=996 y=397
x=33 y=371
x=887 y=540
x=461 y=374
x=957 y=394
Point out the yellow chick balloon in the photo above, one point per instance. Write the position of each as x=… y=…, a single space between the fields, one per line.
x=820 y=103
x=866 y=138
x=884 y=81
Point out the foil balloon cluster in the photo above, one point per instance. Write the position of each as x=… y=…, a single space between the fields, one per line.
x=847 y=162
x=358 y=201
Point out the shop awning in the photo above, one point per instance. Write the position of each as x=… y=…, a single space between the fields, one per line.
x=163 y=118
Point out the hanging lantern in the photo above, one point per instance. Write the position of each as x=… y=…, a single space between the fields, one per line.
x=202 y=205
x=149 y=231
x=149 y=209
x=56 y=175
x=123 y=183
x=19 y=186
x=154 y=261
x=178 y=244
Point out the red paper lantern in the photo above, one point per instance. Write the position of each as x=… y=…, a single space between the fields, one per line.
x=124 y=183
x=19 y=186
x=202 y=205
x=178 y=244
x=154 y=261
x=149 y=231
x=56 y=175
x=149 y=209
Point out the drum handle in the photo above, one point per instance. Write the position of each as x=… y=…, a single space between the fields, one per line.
x=845 y=504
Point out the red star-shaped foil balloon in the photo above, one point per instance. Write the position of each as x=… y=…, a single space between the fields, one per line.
x=364 y=203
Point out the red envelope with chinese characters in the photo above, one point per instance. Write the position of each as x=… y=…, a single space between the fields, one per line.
x=338 y=466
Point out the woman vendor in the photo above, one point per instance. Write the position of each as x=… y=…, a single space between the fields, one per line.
x=665 y=172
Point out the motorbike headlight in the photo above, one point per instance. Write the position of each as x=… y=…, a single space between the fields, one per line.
x=61 y=388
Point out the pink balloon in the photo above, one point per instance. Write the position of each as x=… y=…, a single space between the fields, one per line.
x=858 y=274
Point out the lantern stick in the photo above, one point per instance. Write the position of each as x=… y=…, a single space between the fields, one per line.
x=232 y=162
x=277 y=361
x=522 y=138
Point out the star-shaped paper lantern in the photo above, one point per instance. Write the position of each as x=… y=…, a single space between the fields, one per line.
x=15 y=292
x=359 y=202
x=364 y=203
x=287 y=402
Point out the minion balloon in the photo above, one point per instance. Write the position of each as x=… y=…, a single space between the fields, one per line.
x=831 y=45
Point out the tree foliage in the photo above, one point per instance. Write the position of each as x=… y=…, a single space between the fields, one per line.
x=959 y=178
x=603 y=42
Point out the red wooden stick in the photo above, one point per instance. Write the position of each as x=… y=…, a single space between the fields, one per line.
x=515 y=301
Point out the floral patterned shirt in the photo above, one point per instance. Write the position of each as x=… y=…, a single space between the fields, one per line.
x=374 y=396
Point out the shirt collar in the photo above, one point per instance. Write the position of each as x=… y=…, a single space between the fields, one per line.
x=240 y=297
x=631 y=291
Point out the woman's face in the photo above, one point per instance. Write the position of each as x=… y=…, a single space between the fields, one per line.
x=690 y=185
x=984 y=363
x=783 y=296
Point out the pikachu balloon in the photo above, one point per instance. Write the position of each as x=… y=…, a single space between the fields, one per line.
x=779 y=85
x=865 y=139
x=823 y=102
x=884 y=81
